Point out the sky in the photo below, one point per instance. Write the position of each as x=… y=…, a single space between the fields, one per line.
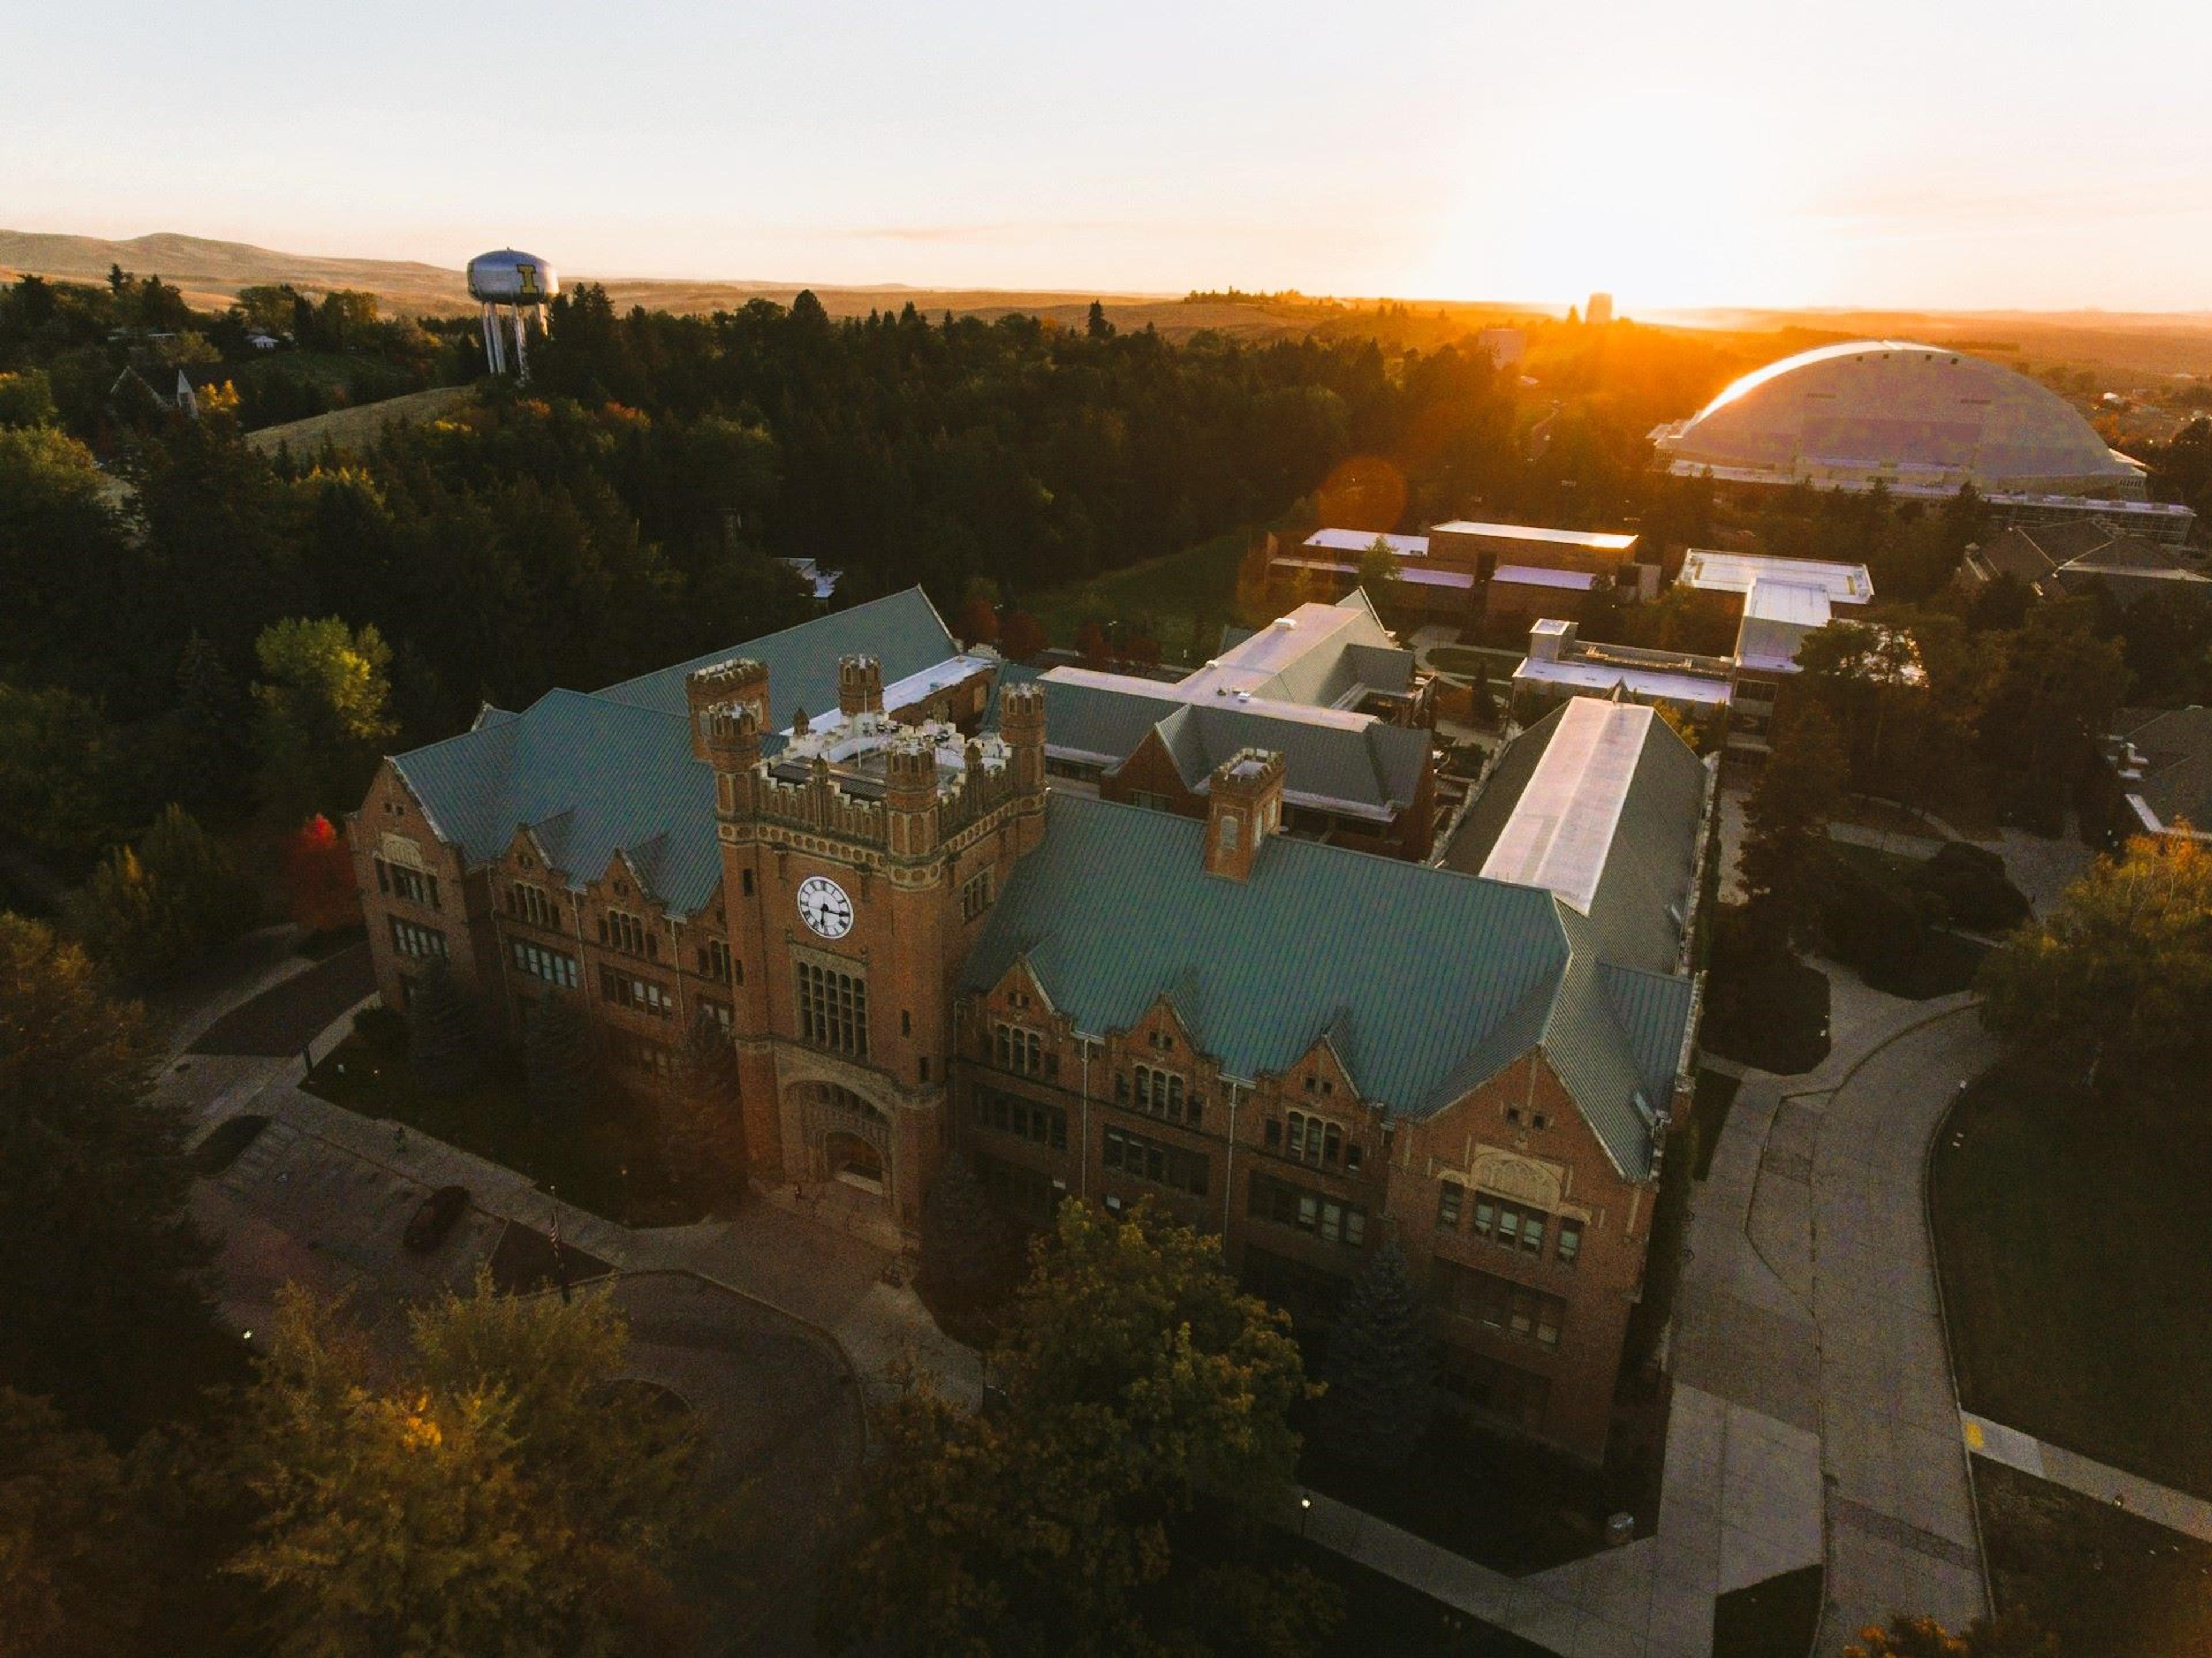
x=1957 y=154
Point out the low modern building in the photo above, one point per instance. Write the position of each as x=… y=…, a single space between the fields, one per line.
x=1462 y=570
x=2075 y=558
x=1561 y=665
x=2161 y=762
x=1326 y=686
x=915 y=937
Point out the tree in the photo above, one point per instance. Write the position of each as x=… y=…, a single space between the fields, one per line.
x=2122 y=972
x=1090 y=644
x=1095 y=325
x=1146 y=1422
x=1378 y=576
x=1382 y=1384
x=979 y=623
x=2052 y=699
x=321 y=720
x=1924 y=1638
x=702 y=1131
x=174 y=895
x=967 y=1256
x=558 y=1073
x=1021 y=637
x=74 y=1539
x=102 y=1306
x=318 y=877
x=506 y=1494
x=444 y=1038
x=1786 y=824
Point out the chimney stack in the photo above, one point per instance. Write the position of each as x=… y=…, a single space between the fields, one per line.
x=1244 y=805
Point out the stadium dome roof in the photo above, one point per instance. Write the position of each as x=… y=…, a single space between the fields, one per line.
x=1912 y=416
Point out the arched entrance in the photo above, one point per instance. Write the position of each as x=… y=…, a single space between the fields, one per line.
x=847 y=1139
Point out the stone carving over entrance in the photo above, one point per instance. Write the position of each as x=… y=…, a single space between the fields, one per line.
x=849 y=1139
x=1521 y=1179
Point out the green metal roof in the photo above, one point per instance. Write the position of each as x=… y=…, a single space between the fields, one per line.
x=902 y=630
x=1429 y=981
x=592 y=778
x=1378 y=767
x=592 y=775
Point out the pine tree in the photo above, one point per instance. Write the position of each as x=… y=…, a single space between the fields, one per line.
x=1383 y=1371
x=442 y=1031
x=967 y=1255
x=702 y=1132
x=556 y=1058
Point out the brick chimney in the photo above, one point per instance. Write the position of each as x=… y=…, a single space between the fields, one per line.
x=859 y=685
x=1244 y=805
x=740 y=679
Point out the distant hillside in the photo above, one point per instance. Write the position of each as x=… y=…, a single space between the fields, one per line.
x=210 y=273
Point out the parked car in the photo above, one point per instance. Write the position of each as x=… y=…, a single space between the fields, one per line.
x=434 y=1217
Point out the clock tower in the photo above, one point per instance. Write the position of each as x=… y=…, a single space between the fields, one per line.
x=858 y=856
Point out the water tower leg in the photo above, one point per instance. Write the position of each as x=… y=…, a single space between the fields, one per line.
x=490 y=340
x=522 y=346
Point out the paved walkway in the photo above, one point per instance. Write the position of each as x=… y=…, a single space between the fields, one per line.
x=2176 y=1510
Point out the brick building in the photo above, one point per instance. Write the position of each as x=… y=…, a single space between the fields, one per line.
x=912 y=938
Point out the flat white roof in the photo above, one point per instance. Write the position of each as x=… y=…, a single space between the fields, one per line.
x=1770 y=600
x=1358 y=541
x=1598 y=539
x=1217 y=694
x=914 y=688
x=1711 y=571
x=1415 y=575
x=1562 y=828
x=1655 y=683
x=1530 y=575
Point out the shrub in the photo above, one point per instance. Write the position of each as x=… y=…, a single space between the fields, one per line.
x=1972 y=884
x=152 y=907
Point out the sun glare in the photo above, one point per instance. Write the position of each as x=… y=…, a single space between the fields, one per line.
x=1654 y=197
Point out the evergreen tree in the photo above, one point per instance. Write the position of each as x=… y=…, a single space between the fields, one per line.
x=176 y=895
x=1786 y=825
x=556 y=1058
x=73 y=1543
x=102 y=1307
x=444 y=1038
x=1382 y=1391
x=702 y=1132
x=967 y=1255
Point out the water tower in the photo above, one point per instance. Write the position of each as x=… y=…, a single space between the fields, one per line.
x=518 y=284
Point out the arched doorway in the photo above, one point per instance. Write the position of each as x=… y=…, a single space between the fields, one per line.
x=849 y=1140
x=851 y=1159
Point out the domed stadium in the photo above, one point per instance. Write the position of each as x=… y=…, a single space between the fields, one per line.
x=1921 y=419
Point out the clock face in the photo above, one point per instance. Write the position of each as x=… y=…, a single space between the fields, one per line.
x=823 y=907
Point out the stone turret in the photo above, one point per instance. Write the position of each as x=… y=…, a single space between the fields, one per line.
x=732 y=743
x=1021 y=723
x=859 y=685
x=910 y=795
x=1244 y=805
x=739 y=680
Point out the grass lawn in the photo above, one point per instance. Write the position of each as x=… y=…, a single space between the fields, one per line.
x=1186 y=596
x=1774 y=1618
x=1503 y=1502
x=2102 y=1580
x=2076 y=1256
x=490 y=1118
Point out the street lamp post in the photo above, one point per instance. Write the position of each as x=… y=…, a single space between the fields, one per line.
x=1305 y=1511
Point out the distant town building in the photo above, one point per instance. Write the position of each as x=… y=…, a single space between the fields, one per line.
x=1462 y=570
x=1599 y=311
x=1506 y=346
x=852 y=847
